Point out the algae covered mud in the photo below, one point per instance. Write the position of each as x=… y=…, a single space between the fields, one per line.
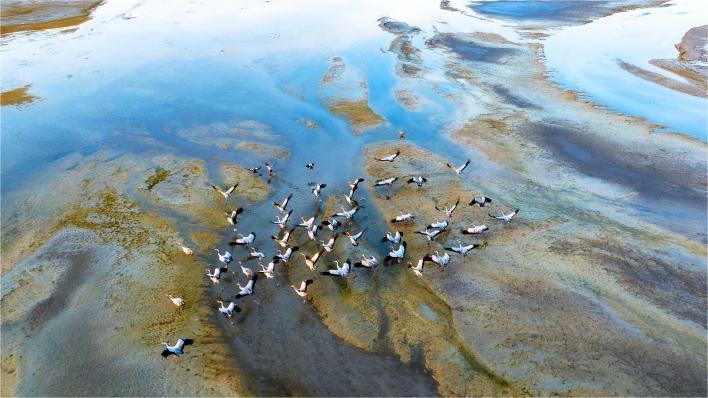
x=115 y=125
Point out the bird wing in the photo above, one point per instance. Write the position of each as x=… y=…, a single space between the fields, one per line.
x=231 y=189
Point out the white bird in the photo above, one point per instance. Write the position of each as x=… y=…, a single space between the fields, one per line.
x=342 y=270
x=215 y=276
x=311 y=262
x=350 y=199
x=225 y=258
x=178 y=301
x=228 y=311
x=332 y=224
x=269 y=272
x=283 y=242
x=329 y=245
x=246 y=290
x=283 y=205
x=480 y=200
x=244 y=240
x=385 y=181
x=177 y=349
x=461 y=249
x=254 y=170
x=354 y=238
x=310 y=165
x=281 y=221
x=370 y=262
x=438 y=259
x=256 y=254
x=317 y=190
x=225 y=193
x=441 y=225
x=312 y=231
x=348 y=214
x=418 y=180
x=450 y=209
x=389 y=158
x=353 y=185
x=247 y=272
x=270 y=168
x=401 y=134
x=302 y=290
x=431 y=234
x=306 y=223
x=231 y=215
x=186 y=250
x=285 y=256
x=404 y=217
x=394 y=238
x=459 y=170
x=505 y=217
x=475 y=229
x=418 y=269
x=398 y=254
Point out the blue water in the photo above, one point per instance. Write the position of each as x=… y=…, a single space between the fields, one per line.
x=535 y=10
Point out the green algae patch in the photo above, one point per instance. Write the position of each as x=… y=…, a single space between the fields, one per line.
x=251 y=187
x=41 y=15
x=18 y=96
x=159 y=176
x=358 y=113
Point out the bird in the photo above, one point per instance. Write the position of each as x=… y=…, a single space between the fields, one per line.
x=178 y=301
x=370 y=262
x=248 y=289
x=385 y=181
x=418 y=180
x=244 y=240
x=225 y=258
x=311 y=262
x=285 y=255
x=354 y=238
x=177 y=349
x=329 y=246
x=450 y=209
x=310 y=165
x=431 y=234
x=228 y=311
x=441 y=225
x=438 y=259
x=302 y=290
x=312 y=231
x=461 y=249
x=480 y=200
x=348 y=214
x=394 y=238
x=505 y=217
x=215 y=276
x=353 y=185
x=459 y=170
x=475 y=229
x=231 y=216
x=418 y=269
x=332 y=224
x=186 y=250
x=350 y=199
x=284 y=204
x=404 y=217
x=398 y=254
x=342 y=270
x=307 y=223
x=256 y=254
x=247 y=272
x=317 y=190
x=269 y=272
x=281 y=221
x=254 y=170
x=270 y=168
x=283 y=242
x=401 y=134
x=227 y=193
x=389 y=158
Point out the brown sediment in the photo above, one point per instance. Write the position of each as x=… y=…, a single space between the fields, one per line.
x=18 y=96
x=490 y=37
x=357 y=112
x=41 y=15
x=664 y=80
x=264 y=150
x=335 y=71
x=693 y=45
x=408 y=99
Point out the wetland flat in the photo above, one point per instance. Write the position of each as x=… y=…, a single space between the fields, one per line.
x=579 y=126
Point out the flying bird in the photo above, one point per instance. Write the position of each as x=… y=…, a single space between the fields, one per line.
x=354 y=238
x=280 y=222
x=270 y=168
x=177 y=349
x=505 y=217
x=317 y=190
x=243 y=240
x=215 y=276
x=480 y=200
x=254 y=170
x=302 y=290
x=231 y=216
x=269 y=272
x=285 y=255
x=178 y=301
x=370 y=262
x=475 y=229
x=389 y=158
x=348 y=214
x=353 y=185
x=342 y=270
x=441 y=225
x=248 y=289
x=332 y=224
x=385 y=182
x=283 y=205
x=461 y=249
x=397 y=254
x=329 y=245
x=418 y=180
x=311 y=262
x=256 y=254
x=306 y=223
x=418 y=269
x=401 y=134
x=310 y=165
x=283 y=242
x=450 y=209
x=186 y=250
x=225 y=258
x=404 y=217
x=431 y=234
x=225 y=193
x=312 y=231
x=438 y=259
x=228 y=311
x=459 y=170
x=394 y=238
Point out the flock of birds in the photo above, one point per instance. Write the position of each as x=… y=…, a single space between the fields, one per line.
x=335 y=223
